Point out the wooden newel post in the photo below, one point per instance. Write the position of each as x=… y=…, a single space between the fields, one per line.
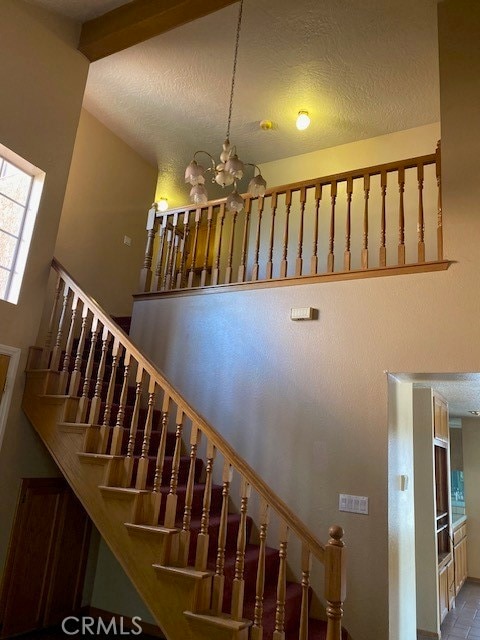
x=335 y=582
x=146 y=271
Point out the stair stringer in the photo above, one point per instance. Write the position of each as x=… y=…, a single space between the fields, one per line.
x=167 y=594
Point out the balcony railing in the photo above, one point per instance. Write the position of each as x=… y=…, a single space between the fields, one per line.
x=377 y=220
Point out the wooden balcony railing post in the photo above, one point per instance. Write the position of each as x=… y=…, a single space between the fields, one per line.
x=256 y=632
x=229 y=269
x=284 y=262
x=203 y=277
x=238 y=587
x=218 y=254
x=331 y=237
x=279 y=633
x=347 y=256
x=191 y=274
x=183 y=252
x=421 y=220
x=335 y=582
x=162 y=234
x=438 y=168
x=383 y=250
x=146 y=272
x=314 y=260
x=171 y=253
x=219 y=577
x=272 y=237
x=299 y=262
x=366 y=196
x=260 y=203
x=401 y=216
x=243 y=257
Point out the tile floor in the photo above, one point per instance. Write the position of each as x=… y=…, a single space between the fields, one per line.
x=464 y=620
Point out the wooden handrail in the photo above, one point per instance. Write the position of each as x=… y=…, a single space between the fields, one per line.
x=295 y=229
x=285 y=513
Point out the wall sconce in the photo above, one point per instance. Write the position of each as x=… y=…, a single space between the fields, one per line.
x=303 y=120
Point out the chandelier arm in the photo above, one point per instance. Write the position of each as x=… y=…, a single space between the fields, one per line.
x=255 y=166
x=232 y=90
x=212 y=159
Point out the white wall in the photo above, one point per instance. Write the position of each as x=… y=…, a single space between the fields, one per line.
x=110 y=189
x=312 y=396
x=42 y=76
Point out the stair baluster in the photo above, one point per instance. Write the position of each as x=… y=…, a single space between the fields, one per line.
x=257 y=628
x=203 y=276
x=134 y=422
x=331 y=237
x=157 y=278
x=272 y=236
x=229 y=269
x=63 y=380
x=260 y=203
x=94 y=414
x=184 y=538
x=366 y=197
x=347 y=255
x=314 y=259
x=220 y=223
x=383 y=220
x=421 y=219
x=46 y=352
x=180 y=280
x=83 y=404
x=279 y=633
x=159 y=462
x=284 y=262
x=219 y=577
x=299 y=261
x=142 y=469
x=238 y=589
x=172 y=498
x=191 y=274
x=57 y=349
x=203 y=537
x=306 y=568
x=76 y=376
x=243 y=258
x=401 y=216
x=105 y=428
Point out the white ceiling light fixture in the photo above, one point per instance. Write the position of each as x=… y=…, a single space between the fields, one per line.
x=162 y=204
x=230 y=169
x=303 y=120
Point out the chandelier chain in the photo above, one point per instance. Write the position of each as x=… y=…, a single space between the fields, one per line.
x=232 y=90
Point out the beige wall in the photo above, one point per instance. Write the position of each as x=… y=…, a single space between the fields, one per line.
x=312 y=396
x=42 y=76
x=471 y=470
x=109 y=192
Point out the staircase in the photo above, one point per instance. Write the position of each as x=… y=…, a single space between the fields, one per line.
x=211 y=550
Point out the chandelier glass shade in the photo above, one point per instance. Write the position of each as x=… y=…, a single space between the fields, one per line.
x=230 y=170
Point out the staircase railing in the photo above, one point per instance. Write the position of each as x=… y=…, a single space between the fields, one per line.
x=78 y=327
x=375 y=218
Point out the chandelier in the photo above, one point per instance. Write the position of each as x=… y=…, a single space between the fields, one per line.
x=230 y=169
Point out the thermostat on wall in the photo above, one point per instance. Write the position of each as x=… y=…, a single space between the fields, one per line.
x=301 y=313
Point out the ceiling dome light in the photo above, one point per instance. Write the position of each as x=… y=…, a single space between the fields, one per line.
x=303 y=120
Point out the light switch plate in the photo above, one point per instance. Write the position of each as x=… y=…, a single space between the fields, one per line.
x=353 y=504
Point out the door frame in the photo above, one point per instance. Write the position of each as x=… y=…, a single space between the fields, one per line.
x=14 y=354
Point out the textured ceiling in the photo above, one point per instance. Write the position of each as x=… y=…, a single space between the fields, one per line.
x=362 y=68
x=81 y=10
x=462 y=390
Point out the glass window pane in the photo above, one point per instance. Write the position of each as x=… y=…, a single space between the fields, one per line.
x=15 y=183
x=7 y=249
x=11 y=215
x=3 y=282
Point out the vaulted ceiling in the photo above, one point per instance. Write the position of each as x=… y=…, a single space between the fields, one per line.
x=362 y=68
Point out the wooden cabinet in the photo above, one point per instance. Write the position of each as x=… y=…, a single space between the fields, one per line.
x=460 y=555
x=435 y=572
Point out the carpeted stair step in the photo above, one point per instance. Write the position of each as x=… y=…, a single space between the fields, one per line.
x=293 y=601
x=317 y=630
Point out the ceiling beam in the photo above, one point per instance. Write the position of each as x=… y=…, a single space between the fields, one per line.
x=138 y=21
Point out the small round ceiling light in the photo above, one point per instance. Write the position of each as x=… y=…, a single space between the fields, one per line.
x=303 y=120
x=162 y=204
x=475 y=413
x=266 y=125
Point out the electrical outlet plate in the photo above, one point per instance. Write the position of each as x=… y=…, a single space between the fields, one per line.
x=353 y=504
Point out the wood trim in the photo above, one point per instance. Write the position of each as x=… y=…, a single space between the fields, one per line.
x=345 y=176
x=424 y=267
x=245 y=470
x=138 y=21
